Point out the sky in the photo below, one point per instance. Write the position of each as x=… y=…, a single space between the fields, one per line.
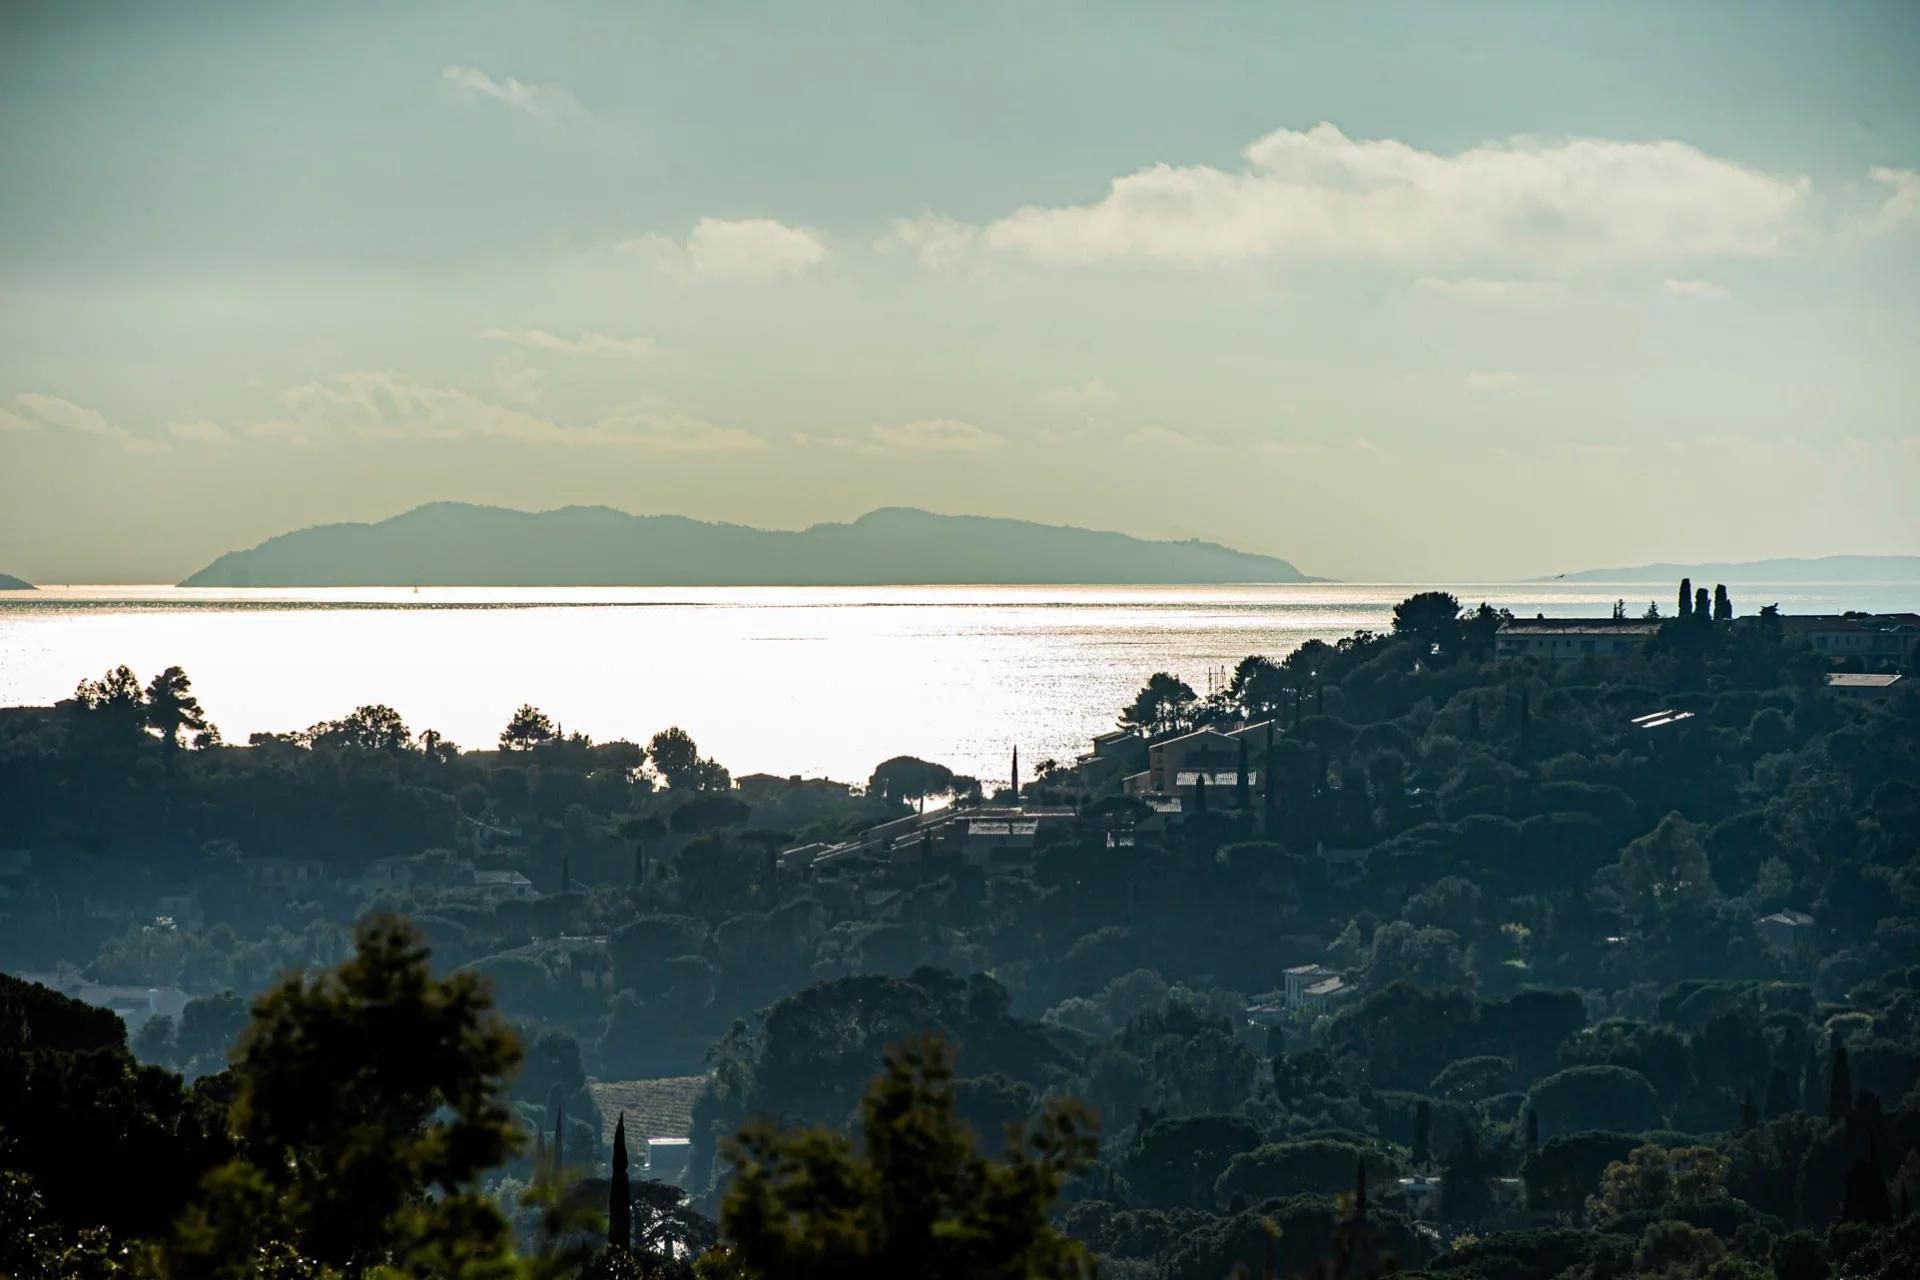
x=1394 y=291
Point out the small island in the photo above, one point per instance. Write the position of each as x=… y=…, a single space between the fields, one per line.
x=10 y=583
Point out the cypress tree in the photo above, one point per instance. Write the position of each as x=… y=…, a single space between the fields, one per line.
x=620 y=1192
x=566 y=875
x=1200 y=792
x=1242 y=796
x=1016 y=775
x=1686 y=599
x=1269 y=800
x=1360 y=1192
x=1722 y=604
x=1866 y=1194
x=557 y=1103
x=1839 y=1087
x=1780 y=1099
x=1422 y=1134
x=1702 y=605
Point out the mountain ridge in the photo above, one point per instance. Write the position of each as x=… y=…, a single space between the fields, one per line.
x=10 y=583
x=1837 y=568
x=467 y=544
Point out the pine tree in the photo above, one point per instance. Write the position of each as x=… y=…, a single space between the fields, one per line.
x=1422 y=1134
x=620 y=1192
x=1686 y=599
x=1839 y=1087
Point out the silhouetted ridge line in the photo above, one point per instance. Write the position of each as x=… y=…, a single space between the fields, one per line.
x=455 y=544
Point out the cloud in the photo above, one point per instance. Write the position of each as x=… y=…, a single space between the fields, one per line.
x=936 y=435
x=938 y=242
x=1902 y=202
x=517 y=380
x=382 y=405
x=1481 y=289
x=11 y=421
x=52 y=411
x=1693 y=288
x=1548 y=204
x=200 y=431
x=1161 y=438
x=1088 y=395
x=1493 y=382
x=547 y=103
x=585 y=343
x=735 y=249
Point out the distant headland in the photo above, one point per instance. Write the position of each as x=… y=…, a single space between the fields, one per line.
x=457 y=544
x=1824 y=569
x=10 y=583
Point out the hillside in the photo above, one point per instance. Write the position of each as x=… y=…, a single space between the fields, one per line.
x=11 y=583
x=454 y=544
x=1821 y=569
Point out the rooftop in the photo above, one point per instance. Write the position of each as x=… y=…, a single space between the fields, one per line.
x=1544 y=626
x=1861 y=680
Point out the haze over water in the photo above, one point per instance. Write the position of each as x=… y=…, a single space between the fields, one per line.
x=779 y=680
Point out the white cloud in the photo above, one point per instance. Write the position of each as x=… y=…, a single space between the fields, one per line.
x=10 y=421
x=52 y=411
x=200 y=431
x=517 y=380
x=1693 y=288
x=1481 y=289
x=936 y=435
x=383 y=405
x=1902 y=202
x=1551 y=204
x=1493 y=382
x=735 y=249
x=584 y=343
x=547 y=103
x=1161 y=438
x=938 y=242
x=1087 y=395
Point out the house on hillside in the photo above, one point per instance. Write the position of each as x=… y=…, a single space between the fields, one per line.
x=1876 y=639
x=1864 y=686
x=1572 y=639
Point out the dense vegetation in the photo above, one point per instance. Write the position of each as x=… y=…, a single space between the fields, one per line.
x=1584 y=1030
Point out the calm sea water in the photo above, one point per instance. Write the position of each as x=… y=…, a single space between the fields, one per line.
x=816 y=681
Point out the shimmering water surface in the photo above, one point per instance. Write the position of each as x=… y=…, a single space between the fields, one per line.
x=781 y=680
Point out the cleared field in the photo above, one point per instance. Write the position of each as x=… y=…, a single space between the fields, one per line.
x=661 y=1108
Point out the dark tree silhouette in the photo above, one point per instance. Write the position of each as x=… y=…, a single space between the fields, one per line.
x=620 y=1191
x=1686 y=599
x=528 y=728
x=1839 y=1086
x=1722 y=604
x=171 y=707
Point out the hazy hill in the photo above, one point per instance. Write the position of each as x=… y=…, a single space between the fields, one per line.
x=11 y=583
x=1822 y=569
x=454 y=544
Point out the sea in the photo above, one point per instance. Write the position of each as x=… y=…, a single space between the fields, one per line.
x=818 y=681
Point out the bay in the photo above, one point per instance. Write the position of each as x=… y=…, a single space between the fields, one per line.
x=815 y=681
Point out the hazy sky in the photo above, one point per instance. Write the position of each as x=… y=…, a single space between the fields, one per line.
x=1394 y=291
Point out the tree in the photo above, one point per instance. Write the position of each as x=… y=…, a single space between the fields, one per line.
x=1600 y=1098
x=1686 y=600
x=1702 y=605
x=172 y=708
x=1163 y=703
x=358 y=1092
x=1422 y=1134
x=375 y=727
x=907 y=779
x=1668 y=864
x=640 y=829
x=620 y=1192
x=1431 y=617
x=1722 y=604
x=1653 y=1177
x=1466 y=1192
x=1839 y=1086
x=916 y=1198
x=528 y=728
x=676 y=757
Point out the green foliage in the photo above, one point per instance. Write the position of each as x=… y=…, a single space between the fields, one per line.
x=915 y=1197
